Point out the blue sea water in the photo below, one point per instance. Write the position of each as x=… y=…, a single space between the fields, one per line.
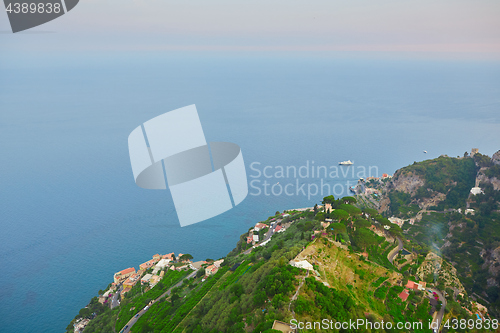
x=71 y=214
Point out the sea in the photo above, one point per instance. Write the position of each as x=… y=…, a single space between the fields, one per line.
x=71 y=214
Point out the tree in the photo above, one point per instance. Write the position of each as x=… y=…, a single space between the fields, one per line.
x=320 y=216
x=370 y=211
x=200 y=272
x=315 y=209
x=237 y=289
x=349 y=200
x=439 y=305
x=340 y=214
x=329 y=199
x=337 y=228
x=174 y=298
x=352 y=210
x=185 y=257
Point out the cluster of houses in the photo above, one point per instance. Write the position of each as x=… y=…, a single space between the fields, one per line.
x=159 y=263
x=212 y=268
x=411 y=285
x=80 y=324
x=253 y=234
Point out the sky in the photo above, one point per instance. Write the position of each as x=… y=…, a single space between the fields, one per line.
x=453 y=28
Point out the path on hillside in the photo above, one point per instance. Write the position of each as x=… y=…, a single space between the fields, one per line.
x=296 y=294
x=134 y=319
x=438 y=315
x=395 y=251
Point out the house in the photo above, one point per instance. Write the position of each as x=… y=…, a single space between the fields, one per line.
x=219 y=262
x=162 y=273
x=157 y=257
x=249 y=239
x=397 y=221
x=168 y=256
x=404 y=295
x=154 y=280
x=476 y=191
x=179 y=256
x=255 y=238
x=278 y=228
x=325 y=224
x=285 y=215
x=162 y=263
x=148 y=264
x=259 y=226
x=123 y=275
x=283 y=327
x=131 y=281
x=411 y=285
x=302 y=264
x=211 y=270
x=80 y=324
x=146 y=278
x=469 y=211
x=124 y=291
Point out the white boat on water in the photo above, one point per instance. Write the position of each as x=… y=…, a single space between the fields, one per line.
x=425 y=151
x=348 y=162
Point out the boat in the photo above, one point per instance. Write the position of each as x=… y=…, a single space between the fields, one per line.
x=425 y=151
x=348 y=162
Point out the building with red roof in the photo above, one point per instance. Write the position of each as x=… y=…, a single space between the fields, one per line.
x=123 y=275
x=404 y=295
x=169 y=256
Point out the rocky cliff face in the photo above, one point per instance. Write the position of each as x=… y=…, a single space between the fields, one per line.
x=496 y=158
x=492 y=263
x=484 y=176
x=406 y=182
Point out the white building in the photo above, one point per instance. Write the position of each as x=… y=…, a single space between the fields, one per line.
x=146 y=278
x=217 y=263
x=302 y=264
x=397 y=221
x=255 y=238
x=162 y=263
x=476 y=190
x=469 y=211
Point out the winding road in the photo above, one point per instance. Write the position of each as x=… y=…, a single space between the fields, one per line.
x=135 y=318
x=395 y=251
x=438 y=316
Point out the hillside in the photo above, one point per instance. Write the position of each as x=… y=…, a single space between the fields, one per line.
x=411 y=254
x=448 y=219
x=351 y=277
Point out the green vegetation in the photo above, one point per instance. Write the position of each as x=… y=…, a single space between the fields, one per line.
x=135 y=300
x=352 y=276
x=451 y=176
